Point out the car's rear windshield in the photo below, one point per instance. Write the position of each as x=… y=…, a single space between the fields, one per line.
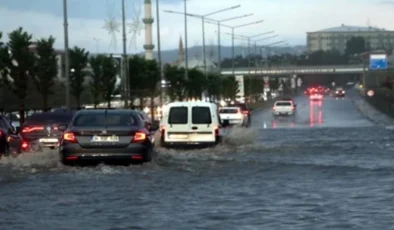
x=283 y=103
x=201 y=115
x=102 y=119
x=178 y=115
x=228 y=110
x=58 y=118
x=242 y=106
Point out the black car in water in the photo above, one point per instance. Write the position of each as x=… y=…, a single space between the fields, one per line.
x=10 y=141
x=43 y=127
x=339 y=92
x=104 y=136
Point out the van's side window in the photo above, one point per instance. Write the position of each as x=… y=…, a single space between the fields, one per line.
x=178 y=115
x=201 y=115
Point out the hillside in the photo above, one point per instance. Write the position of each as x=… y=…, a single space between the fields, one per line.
x=172 y=55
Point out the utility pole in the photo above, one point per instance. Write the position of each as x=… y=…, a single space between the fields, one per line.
x=66 y=56
x=186 y=49
x=124 y=69
x=162 y=78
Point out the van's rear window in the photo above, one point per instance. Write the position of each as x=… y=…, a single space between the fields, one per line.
x=201 y=115
x=178 y=115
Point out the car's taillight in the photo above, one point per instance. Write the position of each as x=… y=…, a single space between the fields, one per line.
x=29 y=129
x=1 y=133
x=245 y=112
x=139 y=137
x=70 y=137
x=292 y=108
x=273 y=108
x=24 y=145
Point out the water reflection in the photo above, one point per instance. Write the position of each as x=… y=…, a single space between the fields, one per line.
x=315 y=113
x=283 y=122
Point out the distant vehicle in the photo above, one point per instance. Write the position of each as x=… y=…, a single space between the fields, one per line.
x=43 y=127
x=245 y=110
x=194 y=124
x=316 y=97
x=339 y=92
x=289 y=99
x=105 y=136
x=234 y=116
x=283 y=108
x=10 y=140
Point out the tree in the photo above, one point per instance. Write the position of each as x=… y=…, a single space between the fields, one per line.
x=230 y=87
x=136 y=75
x=152 y=79
x=46 y=69
x=214 y=86
x=21 y=65
x=95 y=83
x=355 y=45
x=196 y=84
x=108 y=78
x=78 y=63
x=176 y=77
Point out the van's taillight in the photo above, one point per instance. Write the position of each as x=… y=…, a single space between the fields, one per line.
x=29 y=129
x=70 y=137
x=162 y=130
x=217 y=131
x=246 y=112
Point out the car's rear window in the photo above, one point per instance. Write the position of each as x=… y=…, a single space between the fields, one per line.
x=178 y=115
x=284 y=103
x=228 y=110
x=102 y=119
x=60 y=118
x=201 y=115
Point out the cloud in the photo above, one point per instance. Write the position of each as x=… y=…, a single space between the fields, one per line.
x=290 y=19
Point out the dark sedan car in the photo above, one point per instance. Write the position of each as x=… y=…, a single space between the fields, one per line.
x=43 y=127
x=10 y=141
x=106 y=136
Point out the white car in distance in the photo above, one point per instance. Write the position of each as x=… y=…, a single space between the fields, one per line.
x=283 y=108
x=233 y=115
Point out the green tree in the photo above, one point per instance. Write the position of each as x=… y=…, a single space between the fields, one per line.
x=355 y=45
x=46 y=69
x=152 y=81
x=176 y=77
x=136 y=74
x=196 y=83
x=214 y=86
x=95 y=83
x=108 y=78
x=21 y=66
x=230 y=87
x=78 y=63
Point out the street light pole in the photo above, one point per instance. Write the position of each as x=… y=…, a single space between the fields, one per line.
x=162 y=78
x=124 y=69
x=186 y=51
x=66 y=56
x=203 y=17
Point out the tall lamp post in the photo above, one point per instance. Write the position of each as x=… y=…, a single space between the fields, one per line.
x=219 y=45
x=124 y=69
x=66 y=56
x=233 y=38
x=203 y=17
x=162 y=78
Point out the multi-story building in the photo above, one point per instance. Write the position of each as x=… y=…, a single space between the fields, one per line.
x=336 y=38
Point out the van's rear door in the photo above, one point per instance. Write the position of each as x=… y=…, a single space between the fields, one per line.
x=178 y=125
x=202 y=126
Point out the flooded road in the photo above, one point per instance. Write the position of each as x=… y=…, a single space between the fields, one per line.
x=326 y=168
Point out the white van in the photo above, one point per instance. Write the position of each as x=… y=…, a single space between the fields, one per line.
x=190 y=123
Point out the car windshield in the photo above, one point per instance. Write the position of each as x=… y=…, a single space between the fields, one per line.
x=102 y=119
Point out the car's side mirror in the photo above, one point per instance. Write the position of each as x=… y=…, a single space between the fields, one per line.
x=62 y=128
x=225 y=123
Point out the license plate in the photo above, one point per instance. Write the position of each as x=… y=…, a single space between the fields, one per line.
x=48 y=140
x=178 y=136
x=233 y=121
x=105 y=139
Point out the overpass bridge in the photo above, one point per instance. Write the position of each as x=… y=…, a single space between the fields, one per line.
x=298 y=70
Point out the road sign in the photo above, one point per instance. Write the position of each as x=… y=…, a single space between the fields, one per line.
x=378 y=62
